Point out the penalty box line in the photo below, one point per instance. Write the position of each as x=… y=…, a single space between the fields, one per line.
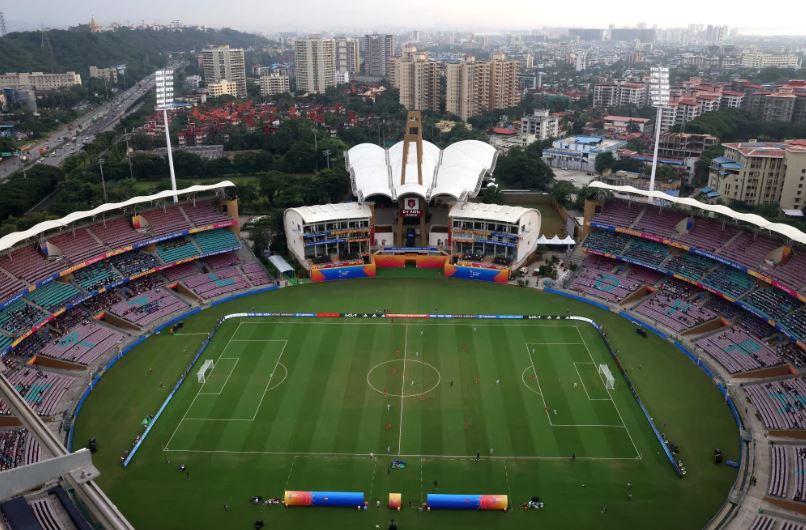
x=546 y=407
x=218 y=359
x=303 y=454
x=637 y=452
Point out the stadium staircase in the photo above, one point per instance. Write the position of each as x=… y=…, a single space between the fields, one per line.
x=638 y=218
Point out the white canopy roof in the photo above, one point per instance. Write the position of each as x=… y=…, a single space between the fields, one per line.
x=457 y=171
x=332 y=212
x=555 y=240
x=8 y=241
x=488 y=212
x=789 y=232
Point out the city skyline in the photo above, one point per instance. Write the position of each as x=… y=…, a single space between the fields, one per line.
x=363 y=15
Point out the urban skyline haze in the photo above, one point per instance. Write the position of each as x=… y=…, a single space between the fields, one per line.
x=359 y=15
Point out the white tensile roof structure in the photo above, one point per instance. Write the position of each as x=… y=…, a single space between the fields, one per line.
x=9 y=240
x=488 y=212
x=456 y=171
x=785 y=230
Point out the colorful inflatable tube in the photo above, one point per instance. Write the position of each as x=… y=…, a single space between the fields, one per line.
x=395 y=500
x=444 y=501
x=324 y=498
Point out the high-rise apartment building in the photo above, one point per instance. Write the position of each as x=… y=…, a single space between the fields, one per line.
x=378 y=53
x=541 y=124
x=274 y=83
x=473 y=87
x=755 y=59
x=619 y=93
x=224 y=87
x=348 y=57
x=759 y=173
x=315 y=60
x=418 y=79
x=225 y=63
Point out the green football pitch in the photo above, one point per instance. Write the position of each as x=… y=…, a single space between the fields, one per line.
x=470 y=406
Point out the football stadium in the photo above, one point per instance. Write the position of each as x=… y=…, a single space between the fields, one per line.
x=158 y=374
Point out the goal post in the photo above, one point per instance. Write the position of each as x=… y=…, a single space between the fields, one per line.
x=607 y=377
x=206 y=367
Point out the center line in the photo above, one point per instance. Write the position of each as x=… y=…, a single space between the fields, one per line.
x=403 y=385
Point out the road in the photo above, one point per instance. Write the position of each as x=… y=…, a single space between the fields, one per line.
x=101 y=119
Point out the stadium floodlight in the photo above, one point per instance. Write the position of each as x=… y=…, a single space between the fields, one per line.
x=659 y=96
x=164 y=83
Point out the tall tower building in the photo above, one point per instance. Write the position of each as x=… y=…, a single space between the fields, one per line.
x=473 y=87
x=418 y=79
x=378 y=53
x=224 y=63
x=315 y=60
x=348 y=57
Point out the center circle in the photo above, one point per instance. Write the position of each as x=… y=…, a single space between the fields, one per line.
x=414 y=370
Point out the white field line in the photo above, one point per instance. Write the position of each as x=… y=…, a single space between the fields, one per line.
x=168 y=443
x=585 y=388
x=366 y=455
x=637 y=452
x=537 y=380
x=225 y=380
x=403 y=386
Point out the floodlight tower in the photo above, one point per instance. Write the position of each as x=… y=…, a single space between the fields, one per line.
x=164 y=81
x=659 y=96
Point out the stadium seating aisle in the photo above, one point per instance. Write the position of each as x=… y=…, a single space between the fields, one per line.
x=83 y=343
x=766 y=522
x=29 y=264
x=205 y=213
x=79 y=246
x=216 y=283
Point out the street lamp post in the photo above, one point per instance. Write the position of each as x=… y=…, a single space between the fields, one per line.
x=326 y=154
x=164 y=81
x=659 y=95
x=103 y=181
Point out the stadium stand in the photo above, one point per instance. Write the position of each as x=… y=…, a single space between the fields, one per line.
x=29 y=264
x=739 y=317
x=42 y=389
x=134 y=262
x=795 y=322
x=749 y=249
x=659 y=221
x=790 y=351
x=216 y=240
x=177 y=249
x=646 y=252
x=617 y=212
x=54 y=295
x=691 y=266
x=728 y=281
x=149 y=306
x=670 y=306
x=608 y=242
x=791 y=272
x=205 y=213
x=594 y=278
x=96 y=276
x=12 y=447
x=20 y=317
x=221 y=281
x=738 y=352
x=780 y=404
x=9 y=285
x=83 y=343
x=766 y=522
x=788 y=472
x=707 y=234
x=78 y=246
x=166 y=220
x=117 y=232
x=100 y=302
x=772 y=303
x=182 y=271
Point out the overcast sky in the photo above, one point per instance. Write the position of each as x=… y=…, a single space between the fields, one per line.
x=787 y=17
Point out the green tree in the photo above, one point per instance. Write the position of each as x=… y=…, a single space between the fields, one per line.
x=563 y=191
x=517 y=170
x=604 y=161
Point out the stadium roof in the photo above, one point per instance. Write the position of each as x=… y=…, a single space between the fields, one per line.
x=789 y=232
x=489 y=212
x=456 y=171
x=331 y=212
x=8 y=241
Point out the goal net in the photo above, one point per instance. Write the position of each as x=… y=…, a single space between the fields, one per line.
x=607 y=377
x=205 y=368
